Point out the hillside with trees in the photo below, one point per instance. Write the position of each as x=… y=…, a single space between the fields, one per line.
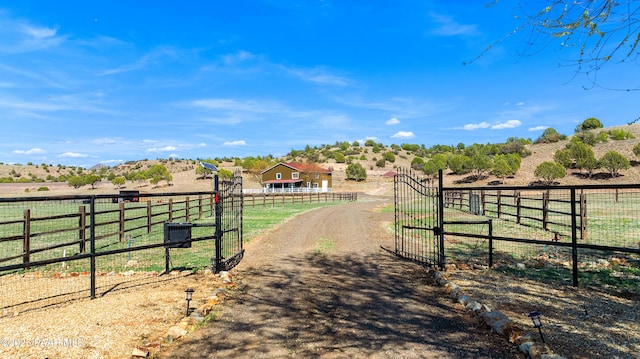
x=592 y=154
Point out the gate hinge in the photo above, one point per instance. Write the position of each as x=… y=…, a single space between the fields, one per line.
x=437 y=231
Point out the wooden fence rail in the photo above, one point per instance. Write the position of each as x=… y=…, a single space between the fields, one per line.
x=535 y=209
x=114 y=221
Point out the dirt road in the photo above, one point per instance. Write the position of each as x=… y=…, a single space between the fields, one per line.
x=321 y=286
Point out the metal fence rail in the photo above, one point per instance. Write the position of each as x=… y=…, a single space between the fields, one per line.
x=54 y=249
x=584 y=235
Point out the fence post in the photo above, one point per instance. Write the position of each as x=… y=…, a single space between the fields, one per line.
x=499 y=200
x=583 y=216
x=482 y=200
x=26 y=239
x=218 y=234
x=490 y=243
x=92 y=248
x=518 y=206
x=443 y=259
x=200 y=206
x=170 y=209
x=186 y=209
x=121 y=222
x=545 y=209
x=149 y=216
x=82 y=223
x=574 y=238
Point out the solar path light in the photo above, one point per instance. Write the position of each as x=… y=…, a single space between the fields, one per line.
x=189 y=293
x=535 y=318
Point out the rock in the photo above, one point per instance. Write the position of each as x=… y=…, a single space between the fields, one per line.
x=551 y=356
x=463 y=299
x=140 y=353
x=450 y=267
x=603 y=263
x=176 y=332
x=538 y=349
x=474 y=306
x=521 y=266
x=498 y=322
x=188 y=323
x=450 y=287
x=524 y=347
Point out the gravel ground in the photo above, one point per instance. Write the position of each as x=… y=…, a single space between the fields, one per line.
x=321 y=286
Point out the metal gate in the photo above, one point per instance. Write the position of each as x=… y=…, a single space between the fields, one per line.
x=229 y=207
x=418 y=218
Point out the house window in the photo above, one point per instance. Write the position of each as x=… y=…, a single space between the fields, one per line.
x=278 y=175
x=317 y=175
x=295 y=175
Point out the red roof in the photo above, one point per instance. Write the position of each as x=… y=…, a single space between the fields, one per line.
x=307 y=167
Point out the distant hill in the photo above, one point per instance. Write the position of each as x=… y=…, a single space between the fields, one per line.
x=29 y=177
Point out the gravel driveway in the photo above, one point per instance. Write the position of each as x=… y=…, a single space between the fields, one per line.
x=322 y=286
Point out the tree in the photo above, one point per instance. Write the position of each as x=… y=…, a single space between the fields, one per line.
x=550 y=135
x=92 y=179
x=225 y=174
x=591 y=123
x=459 y=164
x=339 y=157
x=563 y=157
x=417 y=163
x=550 y=171
x=480 y=165
x=599 y=31
x=76 y=181
x=501 y=168
x=434 y=165
x=636 y=149
x=389 y=157
x=580 y=153
x=614 y=162
x=356 y=172
x=118 y=181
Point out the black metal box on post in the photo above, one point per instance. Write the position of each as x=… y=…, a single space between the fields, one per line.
x=176 y=235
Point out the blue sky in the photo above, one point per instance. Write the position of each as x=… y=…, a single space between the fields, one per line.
x=88 y=82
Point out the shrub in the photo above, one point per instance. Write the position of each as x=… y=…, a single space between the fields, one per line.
x=42 y=189
x=356 y=172
x=550 y=171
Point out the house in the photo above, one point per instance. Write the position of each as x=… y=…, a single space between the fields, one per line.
x=296 y=177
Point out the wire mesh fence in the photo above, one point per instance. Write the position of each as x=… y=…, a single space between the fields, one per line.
x=581 y=235
x=55 y=249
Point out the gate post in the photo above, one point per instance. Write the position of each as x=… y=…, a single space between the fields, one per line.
x=442 y=261
x=218 y=234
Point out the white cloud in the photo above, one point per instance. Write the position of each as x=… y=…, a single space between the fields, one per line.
x=508 y=124
x=474 y=126
x=105 y=141
x=73 y=155
x=404 y=134
x=234 y=143
x=392 y=121
x=447 y=26
x=33 y=151
x=538 y=128
x=234 y=59
x=162 y=149
x=106 y=162
x=39 y=32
